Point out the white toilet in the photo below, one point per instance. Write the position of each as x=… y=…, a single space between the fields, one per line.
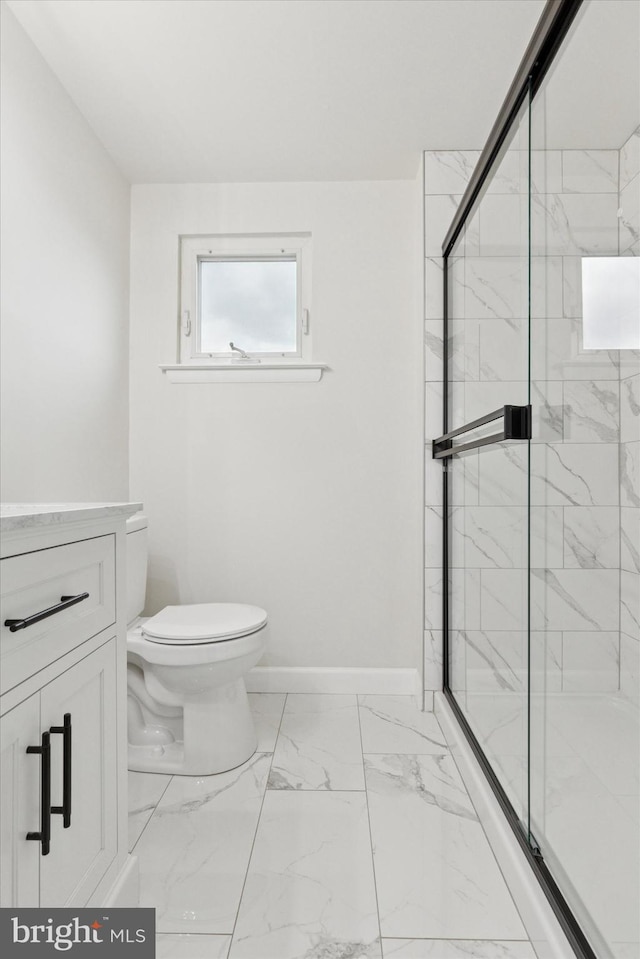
x=188 y=710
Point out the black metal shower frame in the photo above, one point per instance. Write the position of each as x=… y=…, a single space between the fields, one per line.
x=550 y=32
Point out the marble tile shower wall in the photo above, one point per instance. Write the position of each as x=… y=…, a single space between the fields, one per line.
x=629 y=245
x=584 y=459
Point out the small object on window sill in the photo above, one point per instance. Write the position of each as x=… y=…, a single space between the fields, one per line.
x=243 y=357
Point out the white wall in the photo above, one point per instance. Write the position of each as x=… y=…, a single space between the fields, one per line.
x=65 y=238
x=302 y=498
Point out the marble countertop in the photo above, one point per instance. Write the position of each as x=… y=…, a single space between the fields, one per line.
x=16 y=516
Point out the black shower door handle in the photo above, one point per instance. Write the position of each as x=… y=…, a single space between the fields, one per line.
x=516 y=425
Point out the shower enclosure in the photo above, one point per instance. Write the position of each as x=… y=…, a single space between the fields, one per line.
x=540 y=454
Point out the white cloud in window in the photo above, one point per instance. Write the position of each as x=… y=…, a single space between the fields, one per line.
x=252 y=303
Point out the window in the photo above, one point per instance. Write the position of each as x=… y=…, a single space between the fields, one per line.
x=245 y=299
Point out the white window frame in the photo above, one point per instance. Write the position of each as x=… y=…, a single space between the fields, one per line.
x=197 y=249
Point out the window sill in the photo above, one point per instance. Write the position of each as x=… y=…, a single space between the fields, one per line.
x=245 y=372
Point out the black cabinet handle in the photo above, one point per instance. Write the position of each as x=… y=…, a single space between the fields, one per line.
x=44 y=835
x=65 y=603
x=65 y=809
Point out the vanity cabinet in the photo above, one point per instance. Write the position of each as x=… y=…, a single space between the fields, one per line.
x=78 y=855
x=63 y=721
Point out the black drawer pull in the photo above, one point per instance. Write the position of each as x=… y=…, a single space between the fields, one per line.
x=65 y=809
x=44 y=835
x=65 y=602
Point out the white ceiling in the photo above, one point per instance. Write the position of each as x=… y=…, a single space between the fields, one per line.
x=258 y=90
x=244 y=90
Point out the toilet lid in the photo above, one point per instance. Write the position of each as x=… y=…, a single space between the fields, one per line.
x=203 y=623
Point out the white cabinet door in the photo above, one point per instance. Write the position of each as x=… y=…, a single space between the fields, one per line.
x=20 y=804
x=81 y=854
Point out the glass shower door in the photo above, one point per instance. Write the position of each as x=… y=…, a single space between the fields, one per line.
x=585 y=579
x=542 y=566
x=488 y=484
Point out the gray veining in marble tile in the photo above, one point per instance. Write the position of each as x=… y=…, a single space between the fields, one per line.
x=504 y=354
x=433 y=650
x=546 y=536
x=464 y=483
x=503 y=599
x=591 y=537
x=503 y=476
x=630 y=604
x=575 y=599
x=546 y=286
x=630 y=474
x=574 y=224
x=630 y=159
x=465 y=592
x=591 y=412
x=546 y=171
x=590 y=171
x=448 y=171
x=193 y=855
x=490 y=287
x=319 y=744
x=629 y=219
x=397 y=724
x=546 y=661
x=486 y=395
x=496 y=660
x=574 y=474
x=572 y=286
x=557 y=354
x=145 y=791
x=457 y=891
x=267 y=709
x=310 y=887
x=489 y=536
x=590 y=662
x=504 y=225
x=630 y=539
x=433 y=537
x=433 y=414
x=456 y=949
x=630 y=409
x=439 y=211
x=433 y=294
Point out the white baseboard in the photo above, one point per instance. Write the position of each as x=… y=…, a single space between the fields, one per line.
x=126 y=889
x=324 y=679
x=543 y=929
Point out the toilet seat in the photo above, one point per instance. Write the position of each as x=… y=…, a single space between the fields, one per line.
x=203 y=623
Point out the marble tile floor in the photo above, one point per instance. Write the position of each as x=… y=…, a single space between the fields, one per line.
x=584 y=793
x=348 y=835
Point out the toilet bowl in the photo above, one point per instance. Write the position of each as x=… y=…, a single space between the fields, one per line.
x=188 y=711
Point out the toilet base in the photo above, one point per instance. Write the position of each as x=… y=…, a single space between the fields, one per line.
x=219 y=734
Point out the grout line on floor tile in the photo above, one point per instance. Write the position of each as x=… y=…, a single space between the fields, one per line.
x=451 y=939
x=324 y=792
x=275 y=745
x=413 y=752
x=144 y=828
x=373 y=864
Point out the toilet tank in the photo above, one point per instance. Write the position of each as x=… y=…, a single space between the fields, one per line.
x=136 y=565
